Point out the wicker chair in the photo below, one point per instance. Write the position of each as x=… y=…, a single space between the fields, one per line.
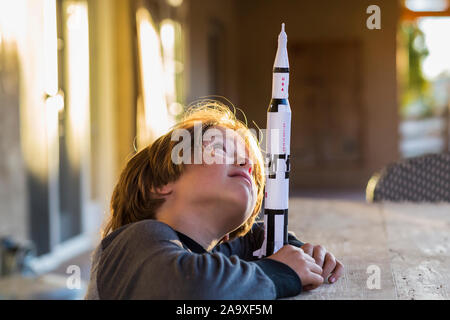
x=420 y=179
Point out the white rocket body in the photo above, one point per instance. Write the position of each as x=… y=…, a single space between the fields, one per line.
x=276 y=201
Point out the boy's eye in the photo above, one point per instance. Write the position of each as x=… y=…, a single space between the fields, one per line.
x=219 y=146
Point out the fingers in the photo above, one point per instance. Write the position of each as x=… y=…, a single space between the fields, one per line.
x=302 y=253
x=315 y=281
x=317 y=252
x=308 y=248
x=315 y=268
x=319 y=255
x=329 y=265
x=331 y=268
x=309 y=258
x=337 y=272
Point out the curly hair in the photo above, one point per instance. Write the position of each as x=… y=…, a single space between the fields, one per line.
x=152 y=167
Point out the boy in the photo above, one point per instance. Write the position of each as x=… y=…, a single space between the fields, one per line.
x=183 y=230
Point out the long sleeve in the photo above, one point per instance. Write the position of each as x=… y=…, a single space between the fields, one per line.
x=147 y=261
x=286 y=281
x=244 y=246
x=292 y=240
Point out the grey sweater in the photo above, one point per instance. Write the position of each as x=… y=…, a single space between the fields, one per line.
x=150 y=260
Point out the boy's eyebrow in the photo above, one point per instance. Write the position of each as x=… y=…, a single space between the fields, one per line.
x=213 y=139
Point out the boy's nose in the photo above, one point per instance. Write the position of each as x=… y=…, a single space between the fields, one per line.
x=246 y=163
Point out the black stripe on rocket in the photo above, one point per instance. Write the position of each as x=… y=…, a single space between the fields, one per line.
x=274 y=103
x=280 y=70
x=272 y=165
x=271 y=213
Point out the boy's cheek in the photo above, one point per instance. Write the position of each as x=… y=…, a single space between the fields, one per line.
x=213 y=176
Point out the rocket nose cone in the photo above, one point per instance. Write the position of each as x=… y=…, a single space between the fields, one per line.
x=282 y=36
x=281 y=58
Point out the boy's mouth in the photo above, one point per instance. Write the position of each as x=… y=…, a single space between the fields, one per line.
x=242 y=174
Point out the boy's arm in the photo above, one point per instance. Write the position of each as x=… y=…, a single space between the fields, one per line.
x=244 y=246
x=148 y=265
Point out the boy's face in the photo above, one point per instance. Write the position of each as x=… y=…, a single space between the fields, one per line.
x=226 y=183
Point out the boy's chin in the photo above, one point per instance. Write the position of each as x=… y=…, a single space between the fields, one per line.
x=240 y=209
x=238 y=220
x=245 y=216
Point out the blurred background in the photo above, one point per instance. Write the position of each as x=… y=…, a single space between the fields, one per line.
x=86 y=83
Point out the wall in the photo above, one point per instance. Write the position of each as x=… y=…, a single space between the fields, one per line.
x=259 y=24
x=197 y=26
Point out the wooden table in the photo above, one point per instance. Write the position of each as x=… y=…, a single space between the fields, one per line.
x=409 y=244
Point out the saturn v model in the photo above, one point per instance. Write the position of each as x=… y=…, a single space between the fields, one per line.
x=278 y=132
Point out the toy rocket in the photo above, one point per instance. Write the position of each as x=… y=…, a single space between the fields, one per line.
x=278 y=155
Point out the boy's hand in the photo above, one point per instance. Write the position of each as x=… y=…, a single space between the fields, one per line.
x=303 y=264
x=326 y=261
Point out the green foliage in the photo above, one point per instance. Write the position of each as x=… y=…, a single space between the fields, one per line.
x=417 y=89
